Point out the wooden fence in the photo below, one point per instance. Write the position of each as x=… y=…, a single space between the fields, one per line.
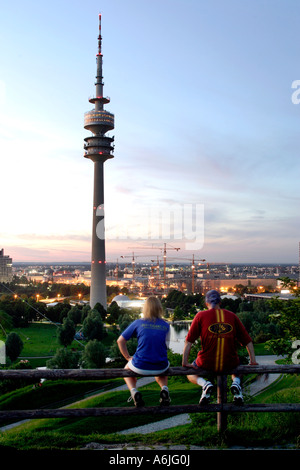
x=222 y=408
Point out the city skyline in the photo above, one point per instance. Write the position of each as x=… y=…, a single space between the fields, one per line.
x=202 y=95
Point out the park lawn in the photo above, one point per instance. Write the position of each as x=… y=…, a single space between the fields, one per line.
x=40 y=340
x=108 y=424
x=53 y=394
x=284 y=385
x=261 y=350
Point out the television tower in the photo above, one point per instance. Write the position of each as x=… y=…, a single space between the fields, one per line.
x=98 y=148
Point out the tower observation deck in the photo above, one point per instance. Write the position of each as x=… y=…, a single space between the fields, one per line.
x=98 y=148
x=98 y=120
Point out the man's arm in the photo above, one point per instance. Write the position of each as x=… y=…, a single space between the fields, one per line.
x=250 y=349
x=186 y=353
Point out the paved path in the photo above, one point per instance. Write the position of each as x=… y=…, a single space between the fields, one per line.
x=263 y=380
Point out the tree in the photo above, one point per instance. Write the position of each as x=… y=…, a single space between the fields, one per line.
x=94 y=355
x=66 y=332
x=176 y=298
x=231 y=304
x=113 y=313
x=65 y=290
x=124 y=321
x=241 y=289
x=289 y=284
x=247 y=319
x=193 y=311
x=287 y=316
x=13 y=346
x=75 y=314
x=64 y=359
x=5 y=321
x=84 y=312
x=92 y=327
x=115 y=353
x=99 y=307
x=64 y=312
x=58 y=312
x=178 y=313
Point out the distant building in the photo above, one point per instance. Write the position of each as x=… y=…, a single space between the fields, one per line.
x=124 y=302
x=5 y=267
x=278 y=295
x=224 y=284
x=64 y=277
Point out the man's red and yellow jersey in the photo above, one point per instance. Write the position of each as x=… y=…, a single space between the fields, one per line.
x=220 y=332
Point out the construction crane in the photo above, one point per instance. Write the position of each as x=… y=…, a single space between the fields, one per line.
x=215 y=264
x=133 y=264
x=133 y=256
x=153 y=267
x=164 y=249
x=193 y=260
x=193 y=271
x=116 y=271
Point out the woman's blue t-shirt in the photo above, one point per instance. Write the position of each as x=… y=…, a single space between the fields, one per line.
x=152 y=336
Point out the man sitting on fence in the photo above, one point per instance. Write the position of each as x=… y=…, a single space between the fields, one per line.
x=220 y=331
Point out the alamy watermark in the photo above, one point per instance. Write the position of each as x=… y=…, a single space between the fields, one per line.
x=2 y=353
x=174 y=222
x=296 y=94
x=296 y=354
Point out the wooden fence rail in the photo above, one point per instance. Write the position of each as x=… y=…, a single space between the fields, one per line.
x=98 y=374
x=222 y=408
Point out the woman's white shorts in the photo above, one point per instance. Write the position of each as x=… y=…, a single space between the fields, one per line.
x=146 y=372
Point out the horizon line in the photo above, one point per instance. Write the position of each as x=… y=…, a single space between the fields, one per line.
x=170 y=262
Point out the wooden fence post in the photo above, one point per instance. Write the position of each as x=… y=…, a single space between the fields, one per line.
x=222 y=398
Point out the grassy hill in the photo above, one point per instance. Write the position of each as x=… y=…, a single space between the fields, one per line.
x=244 y=429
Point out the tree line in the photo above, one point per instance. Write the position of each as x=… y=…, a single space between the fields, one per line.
x=274 y=322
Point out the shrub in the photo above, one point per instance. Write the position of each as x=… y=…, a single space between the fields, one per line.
x=64 y=359
x=94 y=355
x=14 y=346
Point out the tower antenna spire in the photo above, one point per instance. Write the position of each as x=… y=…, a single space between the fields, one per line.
x=99 y=37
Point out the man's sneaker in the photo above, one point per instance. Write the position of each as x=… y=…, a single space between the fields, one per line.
x=236 y=391
x=137 y=399
x=206 y=391
x=164 y=399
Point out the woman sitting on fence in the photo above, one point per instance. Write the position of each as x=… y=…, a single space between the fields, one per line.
x=150 y=358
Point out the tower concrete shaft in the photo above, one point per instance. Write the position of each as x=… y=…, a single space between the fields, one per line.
x=98 y=148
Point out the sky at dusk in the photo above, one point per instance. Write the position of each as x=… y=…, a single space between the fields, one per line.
x=206 y=122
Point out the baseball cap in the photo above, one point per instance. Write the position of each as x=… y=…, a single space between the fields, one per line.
x=213 y=297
